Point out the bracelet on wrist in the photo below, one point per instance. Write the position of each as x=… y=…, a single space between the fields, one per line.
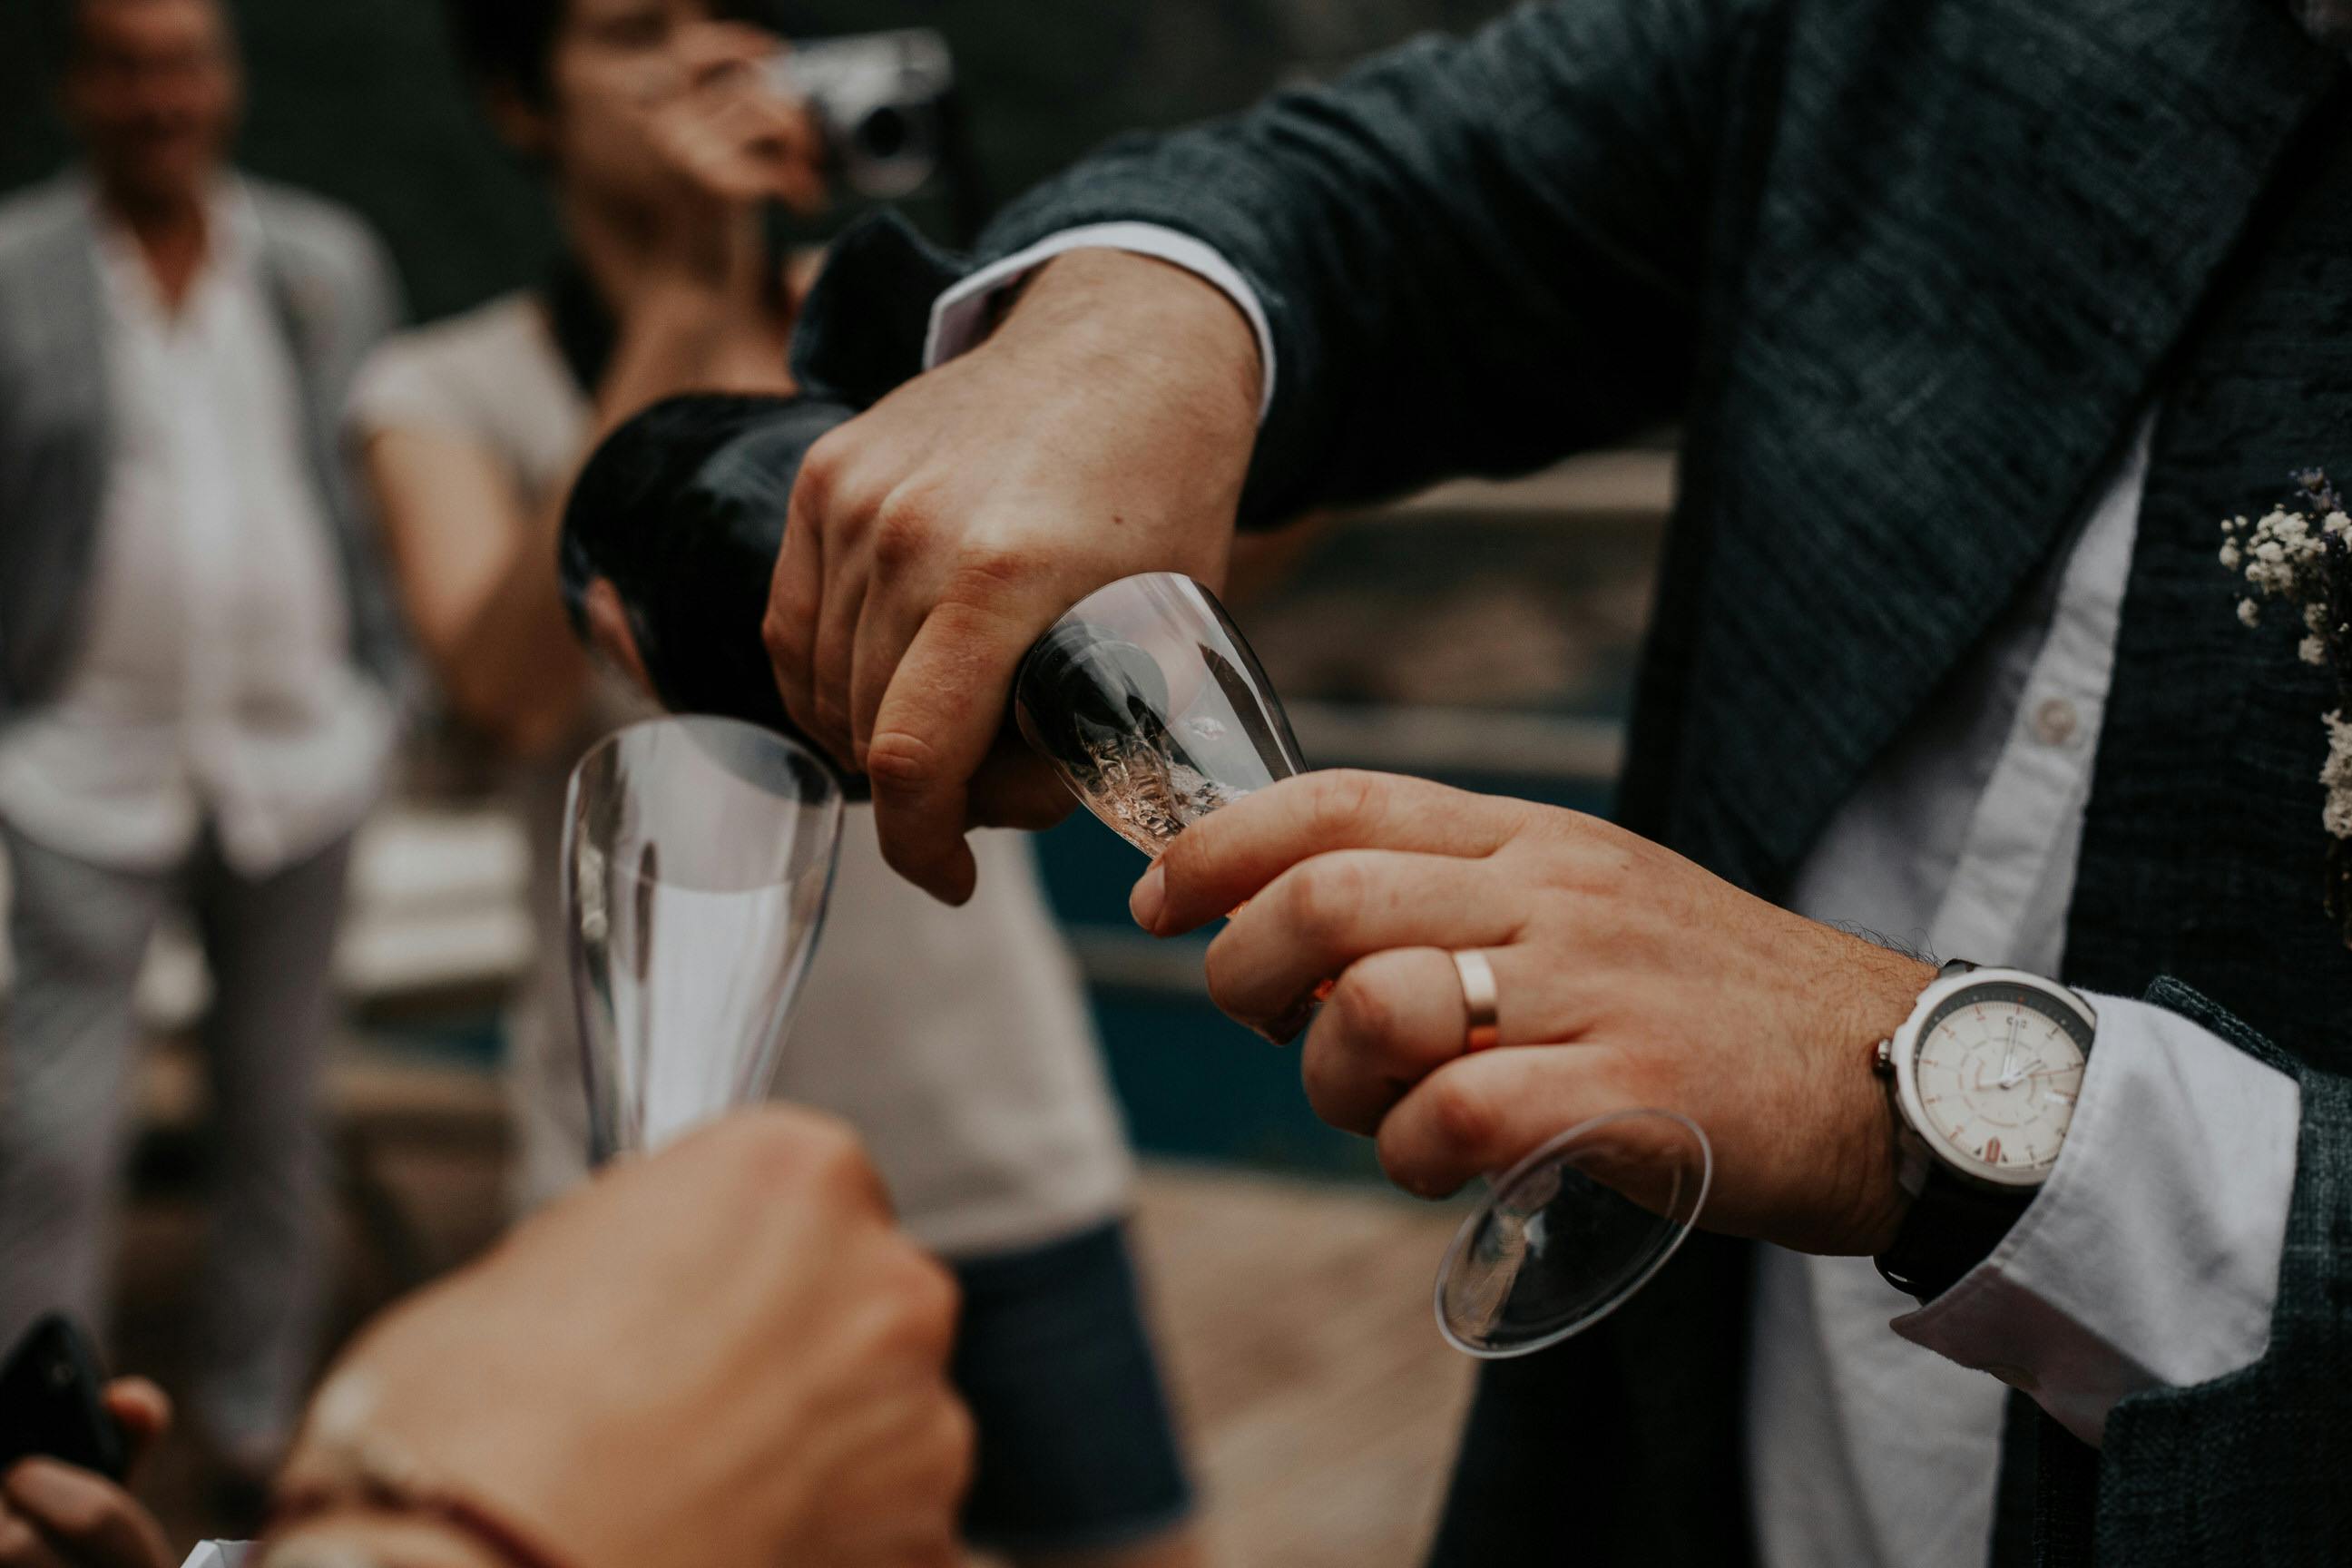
x=350 y=1538
x=491 y=1538
x=344 y=1469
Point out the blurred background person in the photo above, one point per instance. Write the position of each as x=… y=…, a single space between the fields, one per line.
x=194 y=667
x=957 y=1041
x=1485 y=631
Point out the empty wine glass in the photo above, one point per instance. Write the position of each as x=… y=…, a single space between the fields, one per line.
x=1151 y=706
x=697 y=855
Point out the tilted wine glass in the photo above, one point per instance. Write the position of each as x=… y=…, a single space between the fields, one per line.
x=1155 y=712
x=697 y=855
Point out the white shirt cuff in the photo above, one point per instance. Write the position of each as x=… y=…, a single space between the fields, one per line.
x=960 y=316
x=2150 y=1258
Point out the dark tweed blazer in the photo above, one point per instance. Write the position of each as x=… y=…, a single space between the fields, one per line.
x=1908 y=273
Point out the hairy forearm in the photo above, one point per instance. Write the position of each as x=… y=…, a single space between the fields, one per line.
x=1113 y=314
x=1474 y=255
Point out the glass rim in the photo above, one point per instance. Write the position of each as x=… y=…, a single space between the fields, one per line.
x=1534 y=1159
x=611 y=739
x=831 y=801
x=1184 y=579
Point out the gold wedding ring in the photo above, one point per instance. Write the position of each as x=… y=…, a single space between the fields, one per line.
x=1479 y=1000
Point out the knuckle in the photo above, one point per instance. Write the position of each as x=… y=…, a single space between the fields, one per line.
x=1461 y=1121
x=902 y=763
x=837 y=1161
x=1347 y=802
x=1328 y=1079
x=1193 y=860
x=902 y=534
x=789 y=1147
x=1364 y=1010
x=1325 y=898
x=985 y=572
x=818 y=484
x=782 y=631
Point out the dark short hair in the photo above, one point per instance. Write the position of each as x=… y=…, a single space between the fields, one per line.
x=683 y=509
x=63 y=23
x=510 y=44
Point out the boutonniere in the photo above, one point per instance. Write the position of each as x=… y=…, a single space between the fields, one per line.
x=2301 y=553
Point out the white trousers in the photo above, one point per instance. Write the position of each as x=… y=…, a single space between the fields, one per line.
x=79 y=932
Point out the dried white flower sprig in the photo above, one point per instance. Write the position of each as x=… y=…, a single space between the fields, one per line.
x=2301 y=553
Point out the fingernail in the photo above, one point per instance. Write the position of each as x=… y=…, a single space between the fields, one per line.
x=1291 y=1024
x=1149 y=898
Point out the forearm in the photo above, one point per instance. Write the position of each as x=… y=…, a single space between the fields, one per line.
x=1117 y=314
x=1472 y=256
x=514 y=671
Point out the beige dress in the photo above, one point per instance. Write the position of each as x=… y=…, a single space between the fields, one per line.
x=957 y=1041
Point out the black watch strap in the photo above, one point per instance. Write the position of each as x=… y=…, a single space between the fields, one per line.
x=1951 y=1228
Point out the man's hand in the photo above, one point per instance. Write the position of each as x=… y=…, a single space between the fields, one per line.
x=1105 y=429
x=56 y=1516
x=1628 y=977
x=723 y=1353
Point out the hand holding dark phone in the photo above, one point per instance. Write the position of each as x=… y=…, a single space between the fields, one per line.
x=51 y=1402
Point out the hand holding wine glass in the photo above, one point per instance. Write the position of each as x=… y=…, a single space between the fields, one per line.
x=1625 y=976
x=1154 y=711
x=724 y=1352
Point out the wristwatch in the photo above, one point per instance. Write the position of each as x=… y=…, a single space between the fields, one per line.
x=1982 y=1078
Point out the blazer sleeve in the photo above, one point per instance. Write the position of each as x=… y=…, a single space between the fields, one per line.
x=2205 y=1474
x=1475 y=255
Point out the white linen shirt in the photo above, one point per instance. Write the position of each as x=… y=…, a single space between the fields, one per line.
x=214 y=683
x=2150 y=1257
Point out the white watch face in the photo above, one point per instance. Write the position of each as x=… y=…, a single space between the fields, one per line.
x=1998 y=1066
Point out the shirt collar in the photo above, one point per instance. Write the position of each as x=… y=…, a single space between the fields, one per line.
x=232 y=240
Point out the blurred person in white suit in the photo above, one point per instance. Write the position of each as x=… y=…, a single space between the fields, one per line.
x=194 y=669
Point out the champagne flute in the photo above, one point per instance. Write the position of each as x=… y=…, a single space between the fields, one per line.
x=697 y=855
x=1151 y=708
